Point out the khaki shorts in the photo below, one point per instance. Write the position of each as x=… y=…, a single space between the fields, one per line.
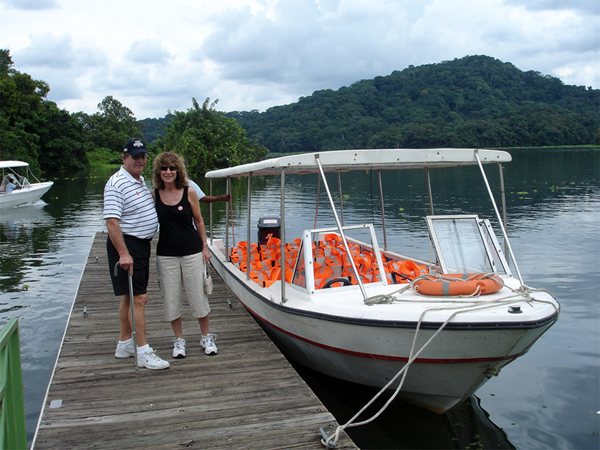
x=176 y=273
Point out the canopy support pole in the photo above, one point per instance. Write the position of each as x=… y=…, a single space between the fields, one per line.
x=228 y=191
x=503 y=197
x=382 y=211
x=340 y=229
x=429 y=191
x=504 y=233
x=210 y=211
x=341 y=197
x=318 y=195
x=248 y=246
x=282 y=237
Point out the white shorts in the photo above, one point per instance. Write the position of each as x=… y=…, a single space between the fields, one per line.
x=176 y=273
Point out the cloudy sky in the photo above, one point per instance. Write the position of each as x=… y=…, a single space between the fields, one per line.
x=154 y=56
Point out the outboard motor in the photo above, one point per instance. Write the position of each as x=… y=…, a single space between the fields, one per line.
x=269 y=225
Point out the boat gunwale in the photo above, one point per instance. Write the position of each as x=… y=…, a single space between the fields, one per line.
x=539 y=323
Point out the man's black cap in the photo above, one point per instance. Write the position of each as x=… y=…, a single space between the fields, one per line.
x=134 y=146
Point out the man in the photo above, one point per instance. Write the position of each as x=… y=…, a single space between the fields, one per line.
x=13 y=184
x=131 y=222
x=207 y=198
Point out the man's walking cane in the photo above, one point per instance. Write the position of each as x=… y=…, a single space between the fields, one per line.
x=131 y=307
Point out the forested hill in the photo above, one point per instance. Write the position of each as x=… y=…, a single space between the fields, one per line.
x=475 y=101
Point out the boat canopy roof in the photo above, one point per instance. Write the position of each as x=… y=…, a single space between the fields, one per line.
x=371 y=159
x=7 y=164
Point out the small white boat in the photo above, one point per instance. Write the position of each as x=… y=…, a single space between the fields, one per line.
x=25 y=191
x=381 y=318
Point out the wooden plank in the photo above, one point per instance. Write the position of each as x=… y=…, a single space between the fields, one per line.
x=247 y=396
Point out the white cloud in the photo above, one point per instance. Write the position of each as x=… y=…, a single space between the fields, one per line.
x=585 y=74
x=584 y=6
x=154 y=56
x=48 y=50
x=31 y=4
x=332 y=47
x=148 y=51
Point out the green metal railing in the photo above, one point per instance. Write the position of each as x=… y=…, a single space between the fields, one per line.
x=12 y=405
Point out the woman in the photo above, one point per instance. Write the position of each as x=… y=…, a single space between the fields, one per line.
x=181 y=250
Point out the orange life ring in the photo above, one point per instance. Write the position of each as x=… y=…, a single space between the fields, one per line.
x=465 y=284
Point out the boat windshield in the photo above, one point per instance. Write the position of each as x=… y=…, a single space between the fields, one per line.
x=14 y=178
x=466 y=244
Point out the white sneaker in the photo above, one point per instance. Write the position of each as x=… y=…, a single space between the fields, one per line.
x=179 y=348
x=208 y=342
x=150 y=360
x=125 y=350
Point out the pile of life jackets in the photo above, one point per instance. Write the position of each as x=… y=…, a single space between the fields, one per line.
x=330 y=260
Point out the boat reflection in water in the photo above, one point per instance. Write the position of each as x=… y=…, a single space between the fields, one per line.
x=21 y=229
x=403 y=425
x=21 y=221
x=29 y=215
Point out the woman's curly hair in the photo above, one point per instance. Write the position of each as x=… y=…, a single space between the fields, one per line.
x=169 y=159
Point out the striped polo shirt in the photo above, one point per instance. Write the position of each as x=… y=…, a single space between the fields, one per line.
x=130 y=201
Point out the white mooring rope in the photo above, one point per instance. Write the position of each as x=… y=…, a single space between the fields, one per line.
x=465 y=306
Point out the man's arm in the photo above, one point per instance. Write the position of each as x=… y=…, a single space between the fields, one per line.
x=199 y=222
x=218 y=198
x=116 y=237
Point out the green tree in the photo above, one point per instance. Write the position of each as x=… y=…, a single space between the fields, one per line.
x=207 y=139
x=61 y=140
x=21 y=99
x=468 y=101
x=33 y=129
x=111 y=127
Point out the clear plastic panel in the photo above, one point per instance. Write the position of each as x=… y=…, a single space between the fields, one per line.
x=459 y=244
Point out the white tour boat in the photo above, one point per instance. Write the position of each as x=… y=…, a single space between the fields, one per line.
x=434 y=331
x=25 y=191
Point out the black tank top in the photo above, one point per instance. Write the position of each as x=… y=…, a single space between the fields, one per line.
x=178 y=235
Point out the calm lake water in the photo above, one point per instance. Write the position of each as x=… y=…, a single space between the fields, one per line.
x=549 y=398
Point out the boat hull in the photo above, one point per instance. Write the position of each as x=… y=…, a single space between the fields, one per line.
x=28 y=194
x=371 y=352
x=437 y=384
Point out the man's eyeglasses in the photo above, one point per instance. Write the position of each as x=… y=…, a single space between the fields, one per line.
x=171 y=168
x=140 y=156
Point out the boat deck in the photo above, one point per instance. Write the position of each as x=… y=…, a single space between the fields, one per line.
x=246 y=397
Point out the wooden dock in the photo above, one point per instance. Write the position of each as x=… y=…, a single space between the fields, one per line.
x=247 y=396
